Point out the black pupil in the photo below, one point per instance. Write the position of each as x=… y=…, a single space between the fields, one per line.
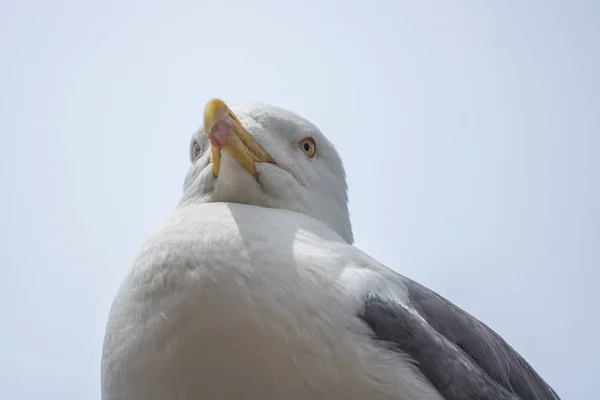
x=306 y=147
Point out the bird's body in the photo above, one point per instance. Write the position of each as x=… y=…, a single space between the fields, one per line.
x=222 y=312
x=252 y=289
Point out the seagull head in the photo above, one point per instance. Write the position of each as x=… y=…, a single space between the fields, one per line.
x=265 y=156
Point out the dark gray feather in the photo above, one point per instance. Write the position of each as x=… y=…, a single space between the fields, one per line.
x=461 y=356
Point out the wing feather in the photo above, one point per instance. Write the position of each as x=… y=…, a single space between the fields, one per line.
x=462 y=357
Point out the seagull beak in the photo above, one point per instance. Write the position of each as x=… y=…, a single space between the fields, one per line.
x=226 y=132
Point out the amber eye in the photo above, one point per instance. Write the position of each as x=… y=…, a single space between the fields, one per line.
x=309 y=146
x=195 y=150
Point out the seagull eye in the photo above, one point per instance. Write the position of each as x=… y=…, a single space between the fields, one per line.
x=309 y=146
x=195 y=151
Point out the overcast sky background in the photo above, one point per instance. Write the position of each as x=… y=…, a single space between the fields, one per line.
x=470 y=132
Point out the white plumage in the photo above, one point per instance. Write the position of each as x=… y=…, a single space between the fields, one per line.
x=232 y=301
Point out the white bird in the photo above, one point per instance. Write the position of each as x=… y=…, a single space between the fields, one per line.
x=252 y=289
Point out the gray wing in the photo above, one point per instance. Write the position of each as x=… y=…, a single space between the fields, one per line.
x=462 y=357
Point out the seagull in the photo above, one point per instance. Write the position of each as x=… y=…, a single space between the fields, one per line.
x=252 y=289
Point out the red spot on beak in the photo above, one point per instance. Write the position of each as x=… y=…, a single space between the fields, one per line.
x=219 y=134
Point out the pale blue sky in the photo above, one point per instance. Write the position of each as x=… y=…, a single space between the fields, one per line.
x=469 y=131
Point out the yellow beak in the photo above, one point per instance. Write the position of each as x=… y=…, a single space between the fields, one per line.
x=226 y=132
